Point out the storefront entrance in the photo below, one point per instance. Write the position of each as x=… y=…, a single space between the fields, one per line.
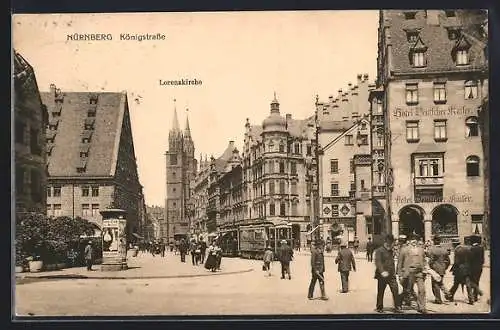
x=411 y=220
x=444 y=221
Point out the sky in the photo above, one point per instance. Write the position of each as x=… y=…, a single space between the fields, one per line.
x=242 y=58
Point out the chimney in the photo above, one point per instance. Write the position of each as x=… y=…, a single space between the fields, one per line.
x=330 y=98
x=340 y=94
x=365 y=77
x=350 y=86
x=231 y=144
x=52 y=89
x=359 y=78
x=288 y=117
x=433 y=17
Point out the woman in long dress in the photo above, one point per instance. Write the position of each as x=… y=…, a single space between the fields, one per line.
x=212 y=252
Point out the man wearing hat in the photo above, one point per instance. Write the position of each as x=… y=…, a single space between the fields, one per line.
x=439 y=261
x=285 y=255
x=411 y=266
x=317 y=270
x=461 y=270
x=385 y=274
x=89 y=251
x=345 y=260
x=476 y=264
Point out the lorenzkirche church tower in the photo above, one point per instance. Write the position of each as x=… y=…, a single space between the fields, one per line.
x=180 y=171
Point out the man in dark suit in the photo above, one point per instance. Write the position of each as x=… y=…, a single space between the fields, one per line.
x=345 y=259
x=285 y=256
x=477 y=262
x=461 y=270
x=439 y=261
x=385 y=273
x=369 y=249
x=317 y=270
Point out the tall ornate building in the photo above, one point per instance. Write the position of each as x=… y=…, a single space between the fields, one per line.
x=199 y=197
x=433 y=71
x=181 y=167
x=276 y=181
x=30 y=119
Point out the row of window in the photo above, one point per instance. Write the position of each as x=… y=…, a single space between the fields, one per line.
x=86 y=191
x=88 y=210
x=334 y=188
x=440 y=129
x=334 y=166
x=440 y=95
x=434 y=167
x=410 y=15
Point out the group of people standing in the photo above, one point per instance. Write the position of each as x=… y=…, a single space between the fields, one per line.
x=413 y=267
x=201 y=254
x=284 y=256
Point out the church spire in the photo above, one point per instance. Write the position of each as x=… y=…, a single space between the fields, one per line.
x=187 y=131
x=175 y=124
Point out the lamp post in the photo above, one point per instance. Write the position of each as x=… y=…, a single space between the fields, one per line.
x=316 y=174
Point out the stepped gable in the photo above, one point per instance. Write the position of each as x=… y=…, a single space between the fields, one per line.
x=67 y=142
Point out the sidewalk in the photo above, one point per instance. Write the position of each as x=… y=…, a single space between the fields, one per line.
x=145 y=266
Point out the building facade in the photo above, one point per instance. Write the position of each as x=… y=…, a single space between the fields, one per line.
x=181 y=167
x=433 y=70
x=30 y=118
x=156 y=220
x=91 y=158
x=200 y=197
x=276 y=180
x=347 y=162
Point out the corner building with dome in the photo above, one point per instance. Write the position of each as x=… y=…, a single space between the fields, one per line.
x=276 y=158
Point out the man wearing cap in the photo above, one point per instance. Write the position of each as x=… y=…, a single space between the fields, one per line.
x=439 y=261
x=369 y=249
x=89 y=251
x=317 y=270
x=385 y=274
x=345 y=260
x=285 y=256
x=411 y=265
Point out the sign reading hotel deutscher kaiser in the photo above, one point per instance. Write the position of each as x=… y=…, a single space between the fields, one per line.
x=446 y=111
x=114 y=240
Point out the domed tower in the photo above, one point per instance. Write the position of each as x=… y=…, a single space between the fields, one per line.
x=275 y=122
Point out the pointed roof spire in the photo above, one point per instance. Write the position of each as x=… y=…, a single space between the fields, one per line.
x=175 y=125
x=187 y=131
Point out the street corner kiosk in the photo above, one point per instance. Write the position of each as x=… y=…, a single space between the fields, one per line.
x=114 y=240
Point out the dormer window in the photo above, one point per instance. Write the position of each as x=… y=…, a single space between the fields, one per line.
x=470 y=89
x=363 y=126
x=453 y=33
x=418 y=54
x=450 y=13
x=460 y=52
x=86 y=136
x=410 y=15
x=412 y=35
x=89 y=123
x=462 y=57
x=84 y=151
x=51 y=136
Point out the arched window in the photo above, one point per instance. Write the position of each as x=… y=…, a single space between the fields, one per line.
x=471 y=127
x=472 y=163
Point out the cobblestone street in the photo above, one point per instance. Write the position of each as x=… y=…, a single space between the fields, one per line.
x=229 y=293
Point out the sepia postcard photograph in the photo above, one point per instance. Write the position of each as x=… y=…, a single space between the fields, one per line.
x=245 y=163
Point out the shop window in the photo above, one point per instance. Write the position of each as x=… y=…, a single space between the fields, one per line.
x=472 y=163
x=471 y=127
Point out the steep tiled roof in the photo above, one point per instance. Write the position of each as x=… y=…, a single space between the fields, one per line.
x=102 y=147
x=435 y=38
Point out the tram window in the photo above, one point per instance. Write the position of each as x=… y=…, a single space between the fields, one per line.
x=258 y=235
